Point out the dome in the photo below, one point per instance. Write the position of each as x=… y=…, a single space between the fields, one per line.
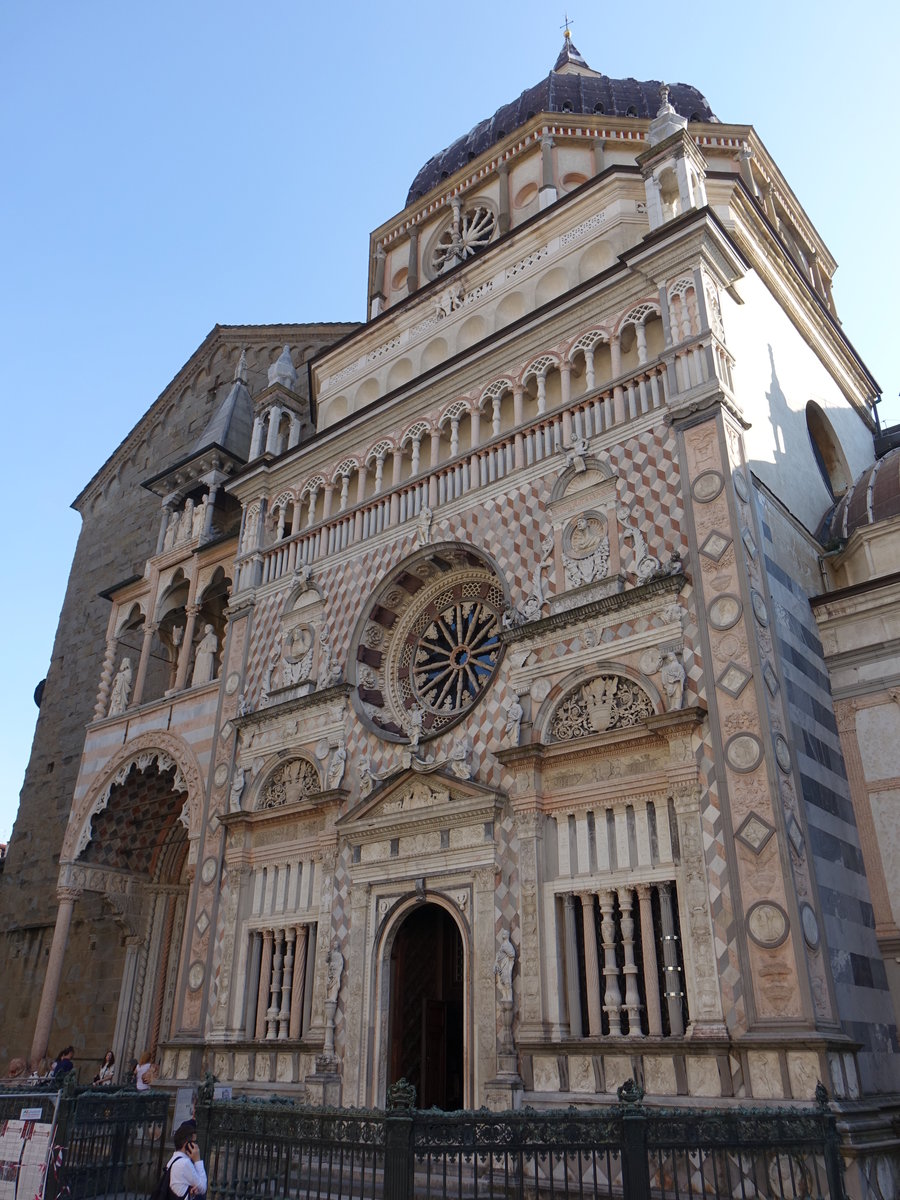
x=872 y=497
x=571 y=87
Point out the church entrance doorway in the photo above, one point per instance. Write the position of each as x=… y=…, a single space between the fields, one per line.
x=426 y=1014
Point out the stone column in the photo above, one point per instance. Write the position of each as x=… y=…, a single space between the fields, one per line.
x=503 y=203
x=612 y=995
x=66 y=897
x=187 y=644
x=573 y=994
x=648 y=952
x=327 y=501
x=632 y=993
x=412 y=270
x=548 y=186
x=591 y=965
x=256 y=440
x=138 y=695
x=206 y=531
x=164 y=519
x=299 y=984
x=284 y=1013
x=265 y=979
x=294 y=432
x=518 y=404
x=670 y=960
x=485 y=1048
x=252 y=998
x=378 y=283
x=530 y=828
x=106 y=674
x=274 y=422
x=272 y=1012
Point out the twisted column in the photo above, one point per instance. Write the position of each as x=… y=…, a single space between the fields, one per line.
x=299 y=986
x=106 y=674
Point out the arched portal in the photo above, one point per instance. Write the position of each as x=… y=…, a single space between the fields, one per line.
x=426 y=1008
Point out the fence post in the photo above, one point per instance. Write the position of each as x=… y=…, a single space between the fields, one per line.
x=635 y=1165
x=203 y=1114
x=833 y=1166
x=398 y=1155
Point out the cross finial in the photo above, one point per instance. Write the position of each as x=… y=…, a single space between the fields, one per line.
x=565 y=26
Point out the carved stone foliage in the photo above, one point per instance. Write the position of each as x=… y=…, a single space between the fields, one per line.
x=604 y=703
x=288 y=783
x=585 y=546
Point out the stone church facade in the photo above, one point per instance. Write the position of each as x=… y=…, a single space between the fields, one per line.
x=455 y=708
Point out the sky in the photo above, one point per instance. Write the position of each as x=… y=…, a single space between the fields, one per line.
x=174 y=165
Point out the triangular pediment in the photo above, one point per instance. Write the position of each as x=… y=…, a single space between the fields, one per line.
x=412 y=798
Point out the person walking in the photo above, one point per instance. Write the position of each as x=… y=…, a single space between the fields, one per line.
x=187 y=1174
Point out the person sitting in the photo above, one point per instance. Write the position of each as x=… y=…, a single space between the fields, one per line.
x=107 y=1070
x=187 y=1174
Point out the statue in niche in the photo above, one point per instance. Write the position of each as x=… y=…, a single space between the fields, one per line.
x=330 y=671
x=423 y=526
x=121 y=689
x=337 y=765
x=586 y=550
x=504 y=962
x=199 y=518
x=673 y=678
x=333 y=973
x=186 y=522
x=171 y=532
x=298 y=647
x=205 y=658
x=514 y=714
x=237 y=788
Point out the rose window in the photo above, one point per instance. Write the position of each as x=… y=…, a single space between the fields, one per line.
x=465 y=237
x=455 y=656
x=429 y=645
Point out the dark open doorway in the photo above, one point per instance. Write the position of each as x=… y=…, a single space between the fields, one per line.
x=427 y=1008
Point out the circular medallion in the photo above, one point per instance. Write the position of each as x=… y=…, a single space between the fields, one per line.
x=740 y=486
x=724 y=611
x=810 y=926
x=707 y=486
x=651 y=660
x=441 y=646
x=759 y=608
x=767 y=923
x=209 y=870
x=782 y=754
x=221 y=774
x=744 y=752
x=196 y=976
x=231 y=683
x=585 y=535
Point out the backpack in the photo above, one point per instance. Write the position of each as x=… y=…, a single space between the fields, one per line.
x=163 y=1191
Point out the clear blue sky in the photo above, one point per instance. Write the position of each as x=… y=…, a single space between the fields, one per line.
x=168 y=166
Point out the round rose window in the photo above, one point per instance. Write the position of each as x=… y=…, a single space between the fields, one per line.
x=429 y=645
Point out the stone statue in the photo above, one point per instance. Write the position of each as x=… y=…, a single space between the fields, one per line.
x=198 y=519
x=514 y=714
x=333 y=973
x=576 y=455
x=413 y=727
x=366 y=778
x=121 y=689
x=503 y=967
x=237 y=788
x=186 y=522
x=205 y=659
x=297 y=656
x=423 y=526
x=673 y=677
x=330 y=671
x=586 y=550
x=337 y=765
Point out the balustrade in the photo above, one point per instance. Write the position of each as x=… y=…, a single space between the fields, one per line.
x=587 y=416
x=277 y=982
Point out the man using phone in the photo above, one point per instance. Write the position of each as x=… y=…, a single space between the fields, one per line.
x=187 y=1174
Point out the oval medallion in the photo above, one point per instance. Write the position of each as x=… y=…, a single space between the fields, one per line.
x=724 y=611
x=767 y=923
x=744 y=752
x=707 y=486
x=782 y=754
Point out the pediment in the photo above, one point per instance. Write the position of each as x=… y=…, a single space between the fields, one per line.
x=411 y=799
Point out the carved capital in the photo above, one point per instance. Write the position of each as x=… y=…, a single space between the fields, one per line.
x=67 y=892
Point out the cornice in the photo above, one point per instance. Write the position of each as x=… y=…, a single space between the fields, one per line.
x=616 y=603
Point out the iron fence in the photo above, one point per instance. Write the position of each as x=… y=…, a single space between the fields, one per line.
x=106 y=1143
x=263 y=1150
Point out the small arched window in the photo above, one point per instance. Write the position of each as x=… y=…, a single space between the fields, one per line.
x=598 y=108
x=631 y=111
x=827 y=450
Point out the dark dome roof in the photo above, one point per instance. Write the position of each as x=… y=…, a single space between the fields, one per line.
x=872 y=497
x=578 y=91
